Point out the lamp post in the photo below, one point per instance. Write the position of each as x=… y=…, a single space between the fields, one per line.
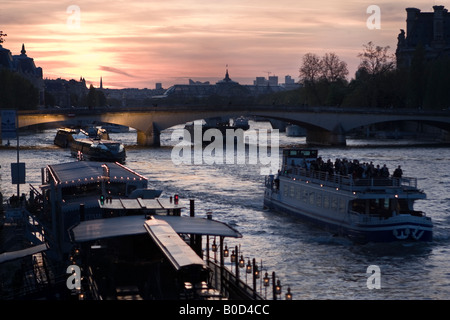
x=226 y=252
x=266 y=283
x=288 y=294
x=236 y=252
x=276 y=287
x=248 y=269
x=214 y=249
x=255 y=276
x=241 y=262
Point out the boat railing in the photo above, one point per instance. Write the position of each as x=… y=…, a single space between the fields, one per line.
x=91 y=285
x=348 y=182
x=230 y=285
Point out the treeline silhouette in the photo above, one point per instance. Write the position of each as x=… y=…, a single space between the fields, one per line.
x=378 y=83
x=16 y=92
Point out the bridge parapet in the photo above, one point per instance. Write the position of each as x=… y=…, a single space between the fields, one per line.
x=325 y=125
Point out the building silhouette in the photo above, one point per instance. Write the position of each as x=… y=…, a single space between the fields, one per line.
x=429 y=30
x=25 y=66
x=230 y=88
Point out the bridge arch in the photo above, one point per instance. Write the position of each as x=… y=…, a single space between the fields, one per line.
x=324 y=125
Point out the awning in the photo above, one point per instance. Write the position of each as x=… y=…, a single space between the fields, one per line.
x=174 y=248
x=145 y=204
x=95 y=229
x=201 y=226
x=92 y=230
x=83 y=172
x=8 y=256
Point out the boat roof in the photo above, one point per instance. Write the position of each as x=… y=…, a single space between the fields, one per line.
x=97 y=141
x=139 y=203
x=82 y=172
x=174 y=248
x=12 y=255
x=96 y=229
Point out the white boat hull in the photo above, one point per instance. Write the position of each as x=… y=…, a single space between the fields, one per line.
x=392 y=229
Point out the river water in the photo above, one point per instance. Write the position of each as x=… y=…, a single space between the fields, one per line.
x=312 y=262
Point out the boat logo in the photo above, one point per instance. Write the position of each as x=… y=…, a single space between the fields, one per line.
x=404 y=233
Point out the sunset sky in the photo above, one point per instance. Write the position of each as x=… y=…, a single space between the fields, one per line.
x=136 y=43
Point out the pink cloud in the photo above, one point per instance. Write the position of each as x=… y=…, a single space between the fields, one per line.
x=159 y=41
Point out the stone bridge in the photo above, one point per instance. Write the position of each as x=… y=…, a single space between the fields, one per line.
x=324 y=125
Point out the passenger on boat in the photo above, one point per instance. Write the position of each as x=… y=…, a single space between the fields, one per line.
x=384 y=172
x=398 y=172
x=344 y=167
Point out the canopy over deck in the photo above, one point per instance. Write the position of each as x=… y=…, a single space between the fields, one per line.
x=81 y=172
x=92 y=230
x=174 y=248
x=137 y=204
x=12 y=255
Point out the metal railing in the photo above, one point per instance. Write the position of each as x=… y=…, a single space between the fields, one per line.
x=348 y=182
x=230 y=285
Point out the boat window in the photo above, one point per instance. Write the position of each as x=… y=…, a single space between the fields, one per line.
x=376 y=207
x=326 y=201
x=334 y=203
x=319 y=199
x=298 y=193
x=358 y=205
x=117 y=189
x=403 y=206
x=131 y=188
x=341 y=205
x=305 y=196
x=311 y=198
x=81 y=190
x=285 y=191
x=291 y=191
x=300 y=153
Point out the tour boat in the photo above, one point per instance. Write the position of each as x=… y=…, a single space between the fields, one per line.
x=348 y=198
x=98 y=150
x=66 y=136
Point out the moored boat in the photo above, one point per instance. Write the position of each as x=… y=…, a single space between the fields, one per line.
x=350 y=199
x=66 y=136
x=104 y=235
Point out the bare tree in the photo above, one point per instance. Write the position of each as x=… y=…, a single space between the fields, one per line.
x=375 y=60
x=333 y=69
x=2 y=35
x=329 y=68
x=311 y=68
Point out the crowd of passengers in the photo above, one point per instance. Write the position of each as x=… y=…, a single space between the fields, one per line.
x=355 y=168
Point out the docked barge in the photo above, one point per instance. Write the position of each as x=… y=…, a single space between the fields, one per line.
x=96 y=231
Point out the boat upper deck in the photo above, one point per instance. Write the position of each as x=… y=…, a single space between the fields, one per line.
x=349 y=182
x=354 y=176
x=84 y=172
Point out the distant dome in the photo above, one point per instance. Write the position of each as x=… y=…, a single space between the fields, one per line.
x=226 y=80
